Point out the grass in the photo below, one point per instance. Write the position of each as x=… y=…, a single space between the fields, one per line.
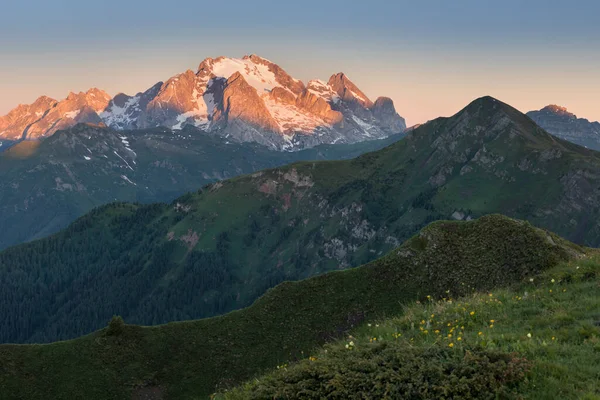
x=551 y=320
x=193 y=359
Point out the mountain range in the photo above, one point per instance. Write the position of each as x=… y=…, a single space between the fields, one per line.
x=222 y=247
x=46 y=184
x=560 y=122
x=247 y=100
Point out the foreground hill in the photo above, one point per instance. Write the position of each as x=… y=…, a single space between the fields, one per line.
x=194 y=359
x=219 y=249
x=537 y=340
x=45 y=185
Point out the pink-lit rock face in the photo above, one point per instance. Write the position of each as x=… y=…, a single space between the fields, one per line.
x=45 y=116
x=247 y=99
x=14 y=125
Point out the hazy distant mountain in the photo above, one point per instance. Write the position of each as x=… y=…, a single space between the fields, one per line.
x=560 y=122
x=246 y=100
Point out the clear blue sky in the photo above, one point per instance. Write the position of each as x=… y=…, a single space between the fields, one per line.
x=431 y=56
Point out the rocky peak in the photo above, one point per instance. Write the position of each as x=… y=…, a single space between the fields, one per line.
x=242 y=109
x=558 y=110
x=283 y=78
x=317 y=105
x=246 y=99
x=348 y=91
x=323 y=90
x=561 y=123
x=16 y=122
x=383 y=110
x=127 y=112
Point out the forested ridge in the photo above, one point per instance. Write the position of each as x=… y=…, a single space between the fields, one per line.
x=222 y=247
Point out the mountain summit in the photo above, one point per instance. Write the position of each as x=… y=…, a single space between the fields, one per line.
x=46 y=116
x=560 y=122
x=247 y=99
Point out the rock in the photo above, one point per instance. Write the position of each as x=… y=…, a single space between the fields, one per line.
x=561 y=123
x=242 y=108
x=348 y=91
x=317 y=105
x=283 y=78
x=283 y=96
x=385 y=113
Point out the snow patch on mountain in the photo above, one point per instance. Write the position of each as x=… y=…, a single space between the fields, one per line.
x=72 y=114
x=366 y=127
x=121 y=116
x=291 y=119
x=257 y=75
x=322 y=89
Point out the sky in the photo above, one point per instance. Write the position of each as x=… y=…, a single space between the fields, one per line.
x=432 y=57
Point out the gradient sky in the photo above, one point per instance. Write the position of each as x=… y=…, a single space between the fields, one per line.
x=431 y=57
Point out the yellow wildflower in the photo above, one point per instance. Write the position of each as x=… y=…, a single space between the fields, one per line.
x=451 y=345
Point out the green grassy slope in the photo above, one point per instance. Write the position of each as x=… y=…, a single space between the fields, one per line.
x=536 y=340
x=193 y=359
x=219 y=249
x=46 y=185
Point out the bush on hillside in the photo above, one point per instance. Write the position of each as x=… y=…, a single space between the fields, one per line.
x=390 y=371
x=115 y=326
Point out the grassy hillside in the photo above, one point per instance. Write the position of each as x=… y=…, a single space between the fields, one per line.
x=222 y=247
x=46 y=185
x=188 y=360
x=537 y=340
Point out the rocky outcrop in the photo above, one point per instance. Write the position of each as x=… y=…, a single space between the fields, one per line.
x=283 y=96
x=560 y=122
x=242 y=110
x=179 y=101
x=348 y=91
x=283 y=78
x=128 y=112
x=76 y=108
x=318 y=106
x=15 y=124
x=385 y=112
x=45 y=116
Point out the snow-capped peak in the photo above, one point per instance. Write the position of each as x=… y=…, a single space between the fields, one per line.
x=248 y=99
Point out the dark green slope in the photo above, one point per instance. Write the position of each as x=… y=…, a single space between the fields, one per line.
x=221 y=248
x=193 y=359
x=46 y=185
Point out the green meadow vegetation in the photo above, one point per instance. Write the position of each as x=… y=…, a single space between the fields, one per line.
x=370 y=306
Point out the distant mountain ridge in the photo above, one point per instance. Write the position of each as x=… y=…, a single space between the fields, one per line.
x=560 y=122
x=220 y=248
x=45 y=185
x=248 y=100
